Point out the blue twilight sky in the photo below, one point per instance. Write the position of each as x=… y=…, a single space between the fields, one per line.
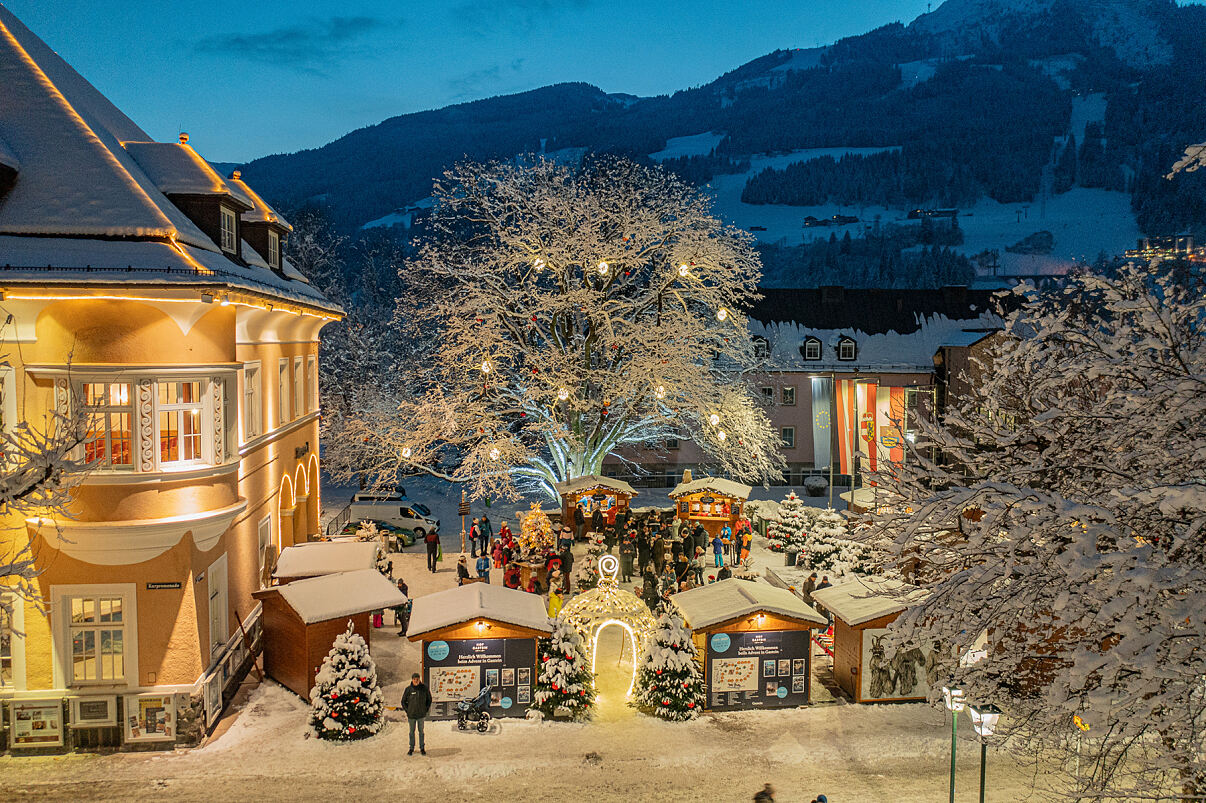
x=247 y=79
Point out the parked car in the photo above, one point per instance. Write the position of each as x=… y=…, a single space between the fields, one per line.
x=392 y=507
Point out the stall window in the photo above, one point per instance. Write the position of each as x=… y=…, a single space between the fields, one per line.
x=180 y=408
x=97 y=632
x=108 y=442
x=789 y=437
x=787 y=395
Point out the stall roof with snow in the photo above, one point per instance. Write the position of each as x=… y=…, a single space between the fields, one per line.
x=478 y=601
x=727 y=600
x=325 y=557
x=592 y=482
x=865 y=599
x=717 y=485
x=333 y=596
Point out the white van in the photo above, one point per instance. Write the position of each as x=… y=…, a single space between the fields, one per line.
x=392 y=507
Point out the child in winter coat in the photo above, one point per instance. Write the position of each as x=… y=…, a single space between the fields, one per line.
x=504 y=532
x=496 y=553
x=718 y=550
x=483 y=567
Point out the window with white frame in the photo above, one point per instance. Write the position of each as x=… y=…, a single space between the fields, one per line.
x=253 y=410
x=274 y=249
x=312 y=381
x=228 y=231
x=181 y=421
x=97 y=627
x=299 y=387
x=812 y=349
x=282 y=390
x=264 y=543
x=789 y=437
x=108 y=440
x=787 y=395
x=768 y=394
x=847 y=349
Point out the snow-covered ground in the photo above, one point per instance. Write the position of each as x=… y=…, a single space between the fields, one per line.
x=851 y=753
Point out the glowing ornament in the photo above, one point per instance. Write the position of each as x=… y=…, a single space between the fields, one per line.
x=406 y=452
x=714 y=419
x=660 y=392
x=538 y=263
x=721 y=435
x=486 y=366
x=603 y=268
x=562 y=394
x=722 y=314
x=495 y=454
x=683 y=270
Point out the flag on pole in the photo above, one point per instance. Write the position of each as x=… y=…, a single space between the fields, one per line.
x=889 y=419
x=866 y=396
x=846 y=423
x=822 y=401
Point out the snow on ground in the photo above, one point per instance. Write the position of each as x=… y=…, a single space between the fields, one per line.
x=694 y=145
x=913 y=73
x=1087 y=109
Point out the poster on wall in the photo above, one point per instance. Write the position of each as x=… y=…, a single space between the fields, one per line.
x=150 y=717
x=767 y=669
x=894 y=674
x=457 y=669
x=36 y=723
x=213 y=699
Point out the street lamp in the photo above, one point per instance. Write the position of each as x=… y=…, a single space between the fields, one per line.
x=953 y=697
x=984 y=723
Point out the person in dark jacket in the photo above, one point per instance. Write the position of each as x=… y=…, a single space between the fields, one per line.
x=649 y=591
x=462 y=570
x=567 y=562
x=658 y=552
x=432 y=540
x=579 y=523
x=402 y=612
x=701 y=537
x=642 y=545
x=487 y=532
x=628 y=551
x=596 y=520
x=810 y=585
x=475 y=532
x=416 y=702
x=609 y=538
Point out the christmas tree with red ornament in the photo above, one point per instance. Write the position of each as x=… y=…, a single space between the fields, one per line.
x=565 y=685
x=346 y=703
x=669 y=682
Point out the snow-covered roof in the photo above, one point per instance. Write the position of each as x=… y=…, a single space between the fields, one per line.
x=717 y=485
x=862 y=599
x=176 y=168
x=478 y=601
x=731 y=599
x=590 y=481
x=8 y=158
x=260 y=211
x=344 y=594
x=80 y=188
x=326 y=557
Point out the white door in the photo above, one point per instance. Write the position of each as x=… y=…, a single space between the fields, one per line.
x=218 y=604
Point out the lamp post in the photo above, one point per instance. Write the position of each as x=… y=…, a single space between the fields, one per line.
x=984 y=722
x=953 y=697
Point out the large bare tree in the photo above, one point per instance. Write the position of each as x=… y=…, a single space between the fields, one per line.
x=563 y=314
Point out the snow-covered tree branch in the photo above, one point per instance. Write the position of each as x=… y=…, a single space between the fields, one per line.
x=1065 y=521
x=565 y=313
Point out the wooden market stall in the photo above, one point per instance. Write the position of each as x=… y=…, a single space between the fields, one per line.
x=756 y=643
x=593 y=491
x=302 y=619
x=318 y=558
x=711 y=501
x=475 y=635
x=862 y=609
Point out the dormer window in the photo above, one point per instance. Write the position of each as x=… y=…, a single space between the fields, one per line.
x=227 y=228
x=761 y=347
x=274 y=250
x=812 y=348
x=847 y=349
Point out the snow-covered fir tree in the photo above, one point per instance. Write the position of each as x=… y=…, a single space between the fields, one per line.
x=669 y=682
x=1065 y=519
x=829 y=548
x=346 y=702
x=564 y=682
x=789 y=527
x=586 y=570
x=564 y=313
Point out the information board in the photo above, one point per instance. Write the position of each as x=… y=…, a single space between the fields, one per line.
x=457 y=669
x=758 y=669
x=36 y=723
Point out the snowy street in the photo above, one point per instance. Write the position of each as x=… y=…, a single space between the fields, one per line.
x=848 y=752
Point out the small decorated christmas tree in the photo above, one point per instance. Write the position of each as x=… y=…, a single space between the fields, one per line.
x=346 y=702
x=536 y=533
x=790 y=526
x=669 y=683
x=586 y=571
x=829 y=550
x=564 y=681
x=368 y=530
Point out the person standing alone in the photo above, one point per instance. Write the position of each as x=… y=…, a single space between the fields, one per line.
x=432 y=539
x=416 y=702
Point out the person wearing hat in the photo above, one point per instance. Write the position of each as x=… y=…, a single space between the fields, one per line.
x=462 y=570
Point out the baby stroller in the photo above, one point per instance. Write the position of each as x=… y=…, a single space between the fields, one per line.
x=474 y=709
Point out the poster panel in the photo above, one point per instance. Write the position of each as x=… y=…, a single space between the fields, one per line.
x=150 y=717
x=36 y=723
x=760 y=669
x=458 y=669
x=213 y=698
x=899 y=675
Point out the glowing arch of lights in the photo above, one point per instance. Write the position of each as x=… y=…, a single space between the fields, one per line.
x=608 y=604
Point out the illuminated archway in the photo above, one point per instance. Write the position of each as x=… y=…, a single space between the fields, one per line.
x=608 y=604
x=285 y=503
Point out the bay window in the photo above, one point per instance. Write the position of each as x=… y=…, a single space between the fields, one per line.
x=108 y=441
x=180 y=422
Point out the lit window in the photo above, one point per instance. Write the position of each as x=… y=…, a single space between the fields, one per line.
x=789 y=437
x=282 y=390
x=228 y=230
x=180 y=422
x=787 y=395
x=847 y=349
x=812 y=349
x=274 y=249
x=252 y=407
x=108 y=442
x=671 y=443
x=98 y=638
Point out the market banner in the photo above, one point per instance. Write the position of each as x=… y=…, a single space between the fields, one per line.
x=846 y=423
x=889 y=420
x=865 y=393
x=822 y=404
x=758 y=669
x=459 y=668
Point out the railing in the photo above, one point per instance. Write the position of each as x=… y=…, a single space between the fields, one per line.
x=340 y=521
x=230 y=665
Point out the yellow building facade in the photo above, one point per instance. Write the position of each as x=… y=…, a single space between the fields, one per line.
x=152 y=297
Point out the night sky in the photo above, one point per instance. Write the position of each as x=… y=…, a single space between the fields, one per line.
x=247 y=79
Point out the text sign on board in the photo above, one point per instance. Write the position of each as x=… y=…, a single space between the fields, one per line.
x=162 y=586
x=759 y=669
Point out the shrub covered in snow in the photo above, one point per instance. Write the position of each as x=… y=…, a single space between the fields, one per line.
x=815 y=484
x=829 y=549
x=564 y=682
x=669 y=683
x=346 y=702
